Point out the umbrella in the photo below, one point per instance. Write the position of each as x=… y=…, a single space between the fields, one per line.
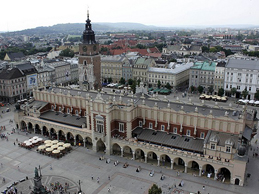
x=40 y=139
x=55 y=141
x=54 y=146
x=28 y=144
x=48 y=144
x=42 y=147
x=49 y=149
x=47 y=141
x=35 y=137
x=34 y=141
x=26 y=141
x=67 y=145
x=60 y=143
x=55 y=151
x=61 y=148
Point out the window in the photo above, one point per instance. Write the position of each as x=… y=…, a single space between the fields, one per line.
x=175 y=130
x=213 y=146
x=99 y=126
x=228 y=149
x=249 y=88
x=76 y=112
x=188 y=132
x=202 y=135
x=52 y=108
x=121 y=127
x=238 y=87
x=140 y=123
x=59 y=109
x=68 y=111
x=150 y=125
x=162 y=128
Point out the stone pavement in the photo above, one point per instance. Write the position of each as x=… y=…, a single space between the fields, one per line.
x=81 y=163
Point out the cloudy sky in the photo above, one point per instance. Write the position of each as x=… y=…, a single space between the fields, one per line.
x=23 y=14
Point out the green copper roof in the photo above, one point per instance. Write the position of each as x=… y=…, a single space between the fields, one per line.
x=205 y=66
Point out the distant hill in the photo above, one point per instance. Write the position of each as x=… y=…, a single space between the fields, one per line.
x=77 y=28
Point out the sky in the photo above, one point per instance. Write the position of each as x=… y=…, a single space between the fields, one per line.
x=24 y=14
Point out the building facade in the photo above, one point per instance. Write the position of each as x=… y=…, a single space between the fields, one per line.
x=112 y=67
x=12 y=85
x=204 y=141
x=219 y=76
x=177 y=74
x=140 y=68
x=202 y=74
x=242 y=75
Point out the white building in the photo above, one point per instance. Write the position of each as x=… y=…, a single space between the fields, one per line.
x=242 y=74
x=175 y=74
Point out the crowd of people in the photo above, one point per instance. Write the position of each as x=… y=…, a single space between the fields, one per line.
x=57 y=186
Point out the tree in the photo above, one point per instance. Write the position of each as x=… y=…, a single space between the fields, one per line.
x=245 y=93
x=122 y=81
x=138 y=81
x=155 y=190
x=257 y=95
x=205 y=49
x=221 y=92
x=158 y=84
x=233 y=91
x=211 y=89
x=67 y=53
x=133 y=86
x=130 y=81
x=109 y=80
x=168 y=86
x=192 y=88
x=200 y=89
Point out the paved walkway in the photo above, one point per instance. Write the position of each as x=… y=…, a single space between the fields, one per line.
x=81 y=164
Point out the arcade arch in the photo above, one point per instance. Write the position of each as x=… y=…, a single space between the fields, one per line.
x=70 y=138
x=224 y=175
x=127 y=152
x=152 y=157
x=193 y=167
x=165 y=160
x=45 y=131
x=116 y=149
x=179 y=164
x=37 y=129
x=88 y=143
x=61 y=135
x=53 y=133
x=79 y=140
x=30 y=127
x=100 y=146
x=139 y=154
x=208 y=171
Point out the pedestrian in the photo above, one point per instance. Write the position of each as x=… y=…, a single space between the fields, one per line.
x=98 y=180
x=109 y=177
x=203 y=187
x=14 y=143
x=50 y=167
x=109 y=190
x=92 y=177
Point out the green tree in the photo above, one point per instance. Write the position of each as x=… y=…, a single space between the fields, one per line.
x=133 y=86
x=172 y=60
x=233 y=91
x=200 y=89
x=109 y=80
x=168 y=86
x=245 y=93
x=122 y=81
x=67 y=53
x=138 y=81
x=130 y=81
x=192 y=88
x=205 y=49
x=155 y=190
x=221 y=92
x=140 y=46
x=257 y=95
x=158 y=84
x=211 y=89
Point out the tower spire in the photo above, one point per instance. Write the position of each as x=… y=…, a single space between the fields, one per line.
x=88 y=34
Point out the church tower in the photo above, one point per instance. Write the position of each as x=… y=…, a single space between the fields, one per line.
x=89 y=64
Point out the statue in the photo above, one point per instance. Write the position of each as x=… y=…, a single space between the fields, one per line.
x=36 y=172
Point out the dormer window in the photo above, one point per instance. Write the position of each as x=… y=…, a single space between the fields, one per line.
x=162 y=128
x=202 y=135
x=188 y=132
x=76 y=111
x=175 y=130
x=228 y=149
x=150 y=125
x=140 y=124
x=213 y=146
x=68 y=111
